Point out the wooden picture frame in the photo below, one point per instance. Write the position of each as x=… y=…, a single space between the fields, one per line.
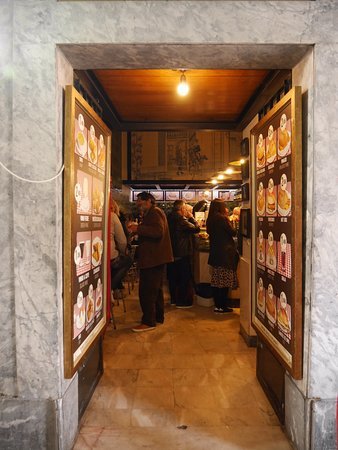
x=277 y=231
x=158 y=195
x=135 y=194
x=188 y=196
x=87 y=144
x=171 y=196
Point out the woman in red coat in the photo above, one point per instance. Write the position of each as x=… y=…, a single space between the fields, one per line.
x=223 y=256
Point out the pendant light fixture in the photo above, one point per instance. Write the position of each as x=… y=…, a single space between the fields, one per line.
x=183 y=87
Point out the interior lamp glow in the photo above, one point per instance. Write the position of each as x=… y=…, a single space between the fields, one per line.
x=183 y=87
x=214 y=181
x=229 y=171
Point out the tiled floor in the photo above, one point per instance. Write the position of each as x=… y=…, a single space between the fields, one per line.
x=190 y=384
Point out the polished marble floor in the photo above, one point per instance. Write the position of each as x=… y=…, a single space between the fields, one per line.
x=189 y=384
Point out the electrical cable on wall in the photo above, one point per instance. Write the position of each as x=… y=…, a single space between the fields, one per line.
x=33 y=181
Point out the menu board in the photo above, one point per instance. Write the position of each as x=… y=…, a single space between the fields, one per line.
x=86 y=187
x=277 y=234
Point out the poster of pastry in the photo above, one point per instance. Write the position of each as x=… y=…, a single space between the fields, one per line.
x=271 y=198
x=87 y=143
x=277 y=272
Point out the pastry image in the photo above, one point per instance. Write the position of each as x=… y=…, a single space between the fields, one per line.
x=97 y=247
x=92 y=151
x=284 y=201
x=282 y=316
x=260 y=151
x=92 y=145
x=270 y=304
x=80 y=139
x=271 y=148
x=80 y=320
x=98 y=199
x=90 y=309
x=284 y=197
x=271 y=204
x=260 y=248
x=284 y=137
x=260 y=295
x=283 y=320
x=271 y=253
x=260 y=200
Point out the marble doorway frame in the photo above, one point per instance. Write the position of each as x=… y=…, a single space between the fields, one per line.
x=89 y=56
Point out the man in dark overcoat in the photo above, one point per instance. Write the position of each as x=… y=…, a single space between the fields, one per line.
x=153 y=252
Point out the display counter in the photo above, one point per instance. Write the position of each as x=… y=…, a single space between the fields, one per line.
x=201 y=269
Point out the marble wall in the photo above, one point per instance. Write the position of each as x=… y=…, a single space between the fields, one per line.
x=229 y=34
x=7 y=329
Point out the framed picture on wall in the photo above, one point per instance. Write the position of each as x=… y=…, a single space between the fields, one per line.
x=188 y=196
x=224 y=195
x=135 y=194
x=158 y=195
x=171 y=196
x=207 y=195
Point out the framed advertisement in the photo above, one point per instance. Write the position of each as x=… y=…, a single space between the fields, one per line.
x=171 y=196
x=158 y=195
x=135 y=194
x=87 y=143
x=188 y=196
x=277 y=231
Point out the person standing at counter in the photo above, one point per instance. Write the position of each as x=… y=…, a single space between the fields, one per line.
x=182 y=226
x=154 y=251
x=223 y=256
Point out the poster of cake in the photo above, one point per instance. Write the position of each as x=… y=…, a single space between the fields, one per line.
x=277 y=303
x=86 y=189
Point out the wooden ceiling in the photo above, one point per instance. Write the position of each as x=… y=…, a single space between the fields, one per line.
x=140 y=96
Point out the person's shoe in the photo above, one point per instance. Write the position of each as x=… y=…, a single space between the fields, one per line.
x=172 y=304
x=225 y=310
x=142 y=327
x=217 y=310
x=183 y=306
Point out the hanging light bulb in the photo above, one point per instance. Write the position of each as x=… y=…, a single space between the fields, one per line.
x=183 y=87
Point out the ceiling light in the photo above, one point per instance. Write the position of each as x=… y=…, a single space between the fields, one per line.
x=229 y=171
x=220 y=176
x=183 y=87
x=237 y=162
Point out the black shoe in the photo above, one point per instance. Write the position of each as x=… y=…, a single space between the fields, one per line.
x=225 y=310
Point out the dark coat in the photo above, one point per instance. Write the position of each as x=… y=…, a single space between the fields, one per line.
x=154 y=241
x=181 y=231
x=223 y=251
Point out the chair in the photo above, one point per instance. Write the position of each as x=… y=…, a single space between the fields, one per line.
x=112 y=317
x=132 y=274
